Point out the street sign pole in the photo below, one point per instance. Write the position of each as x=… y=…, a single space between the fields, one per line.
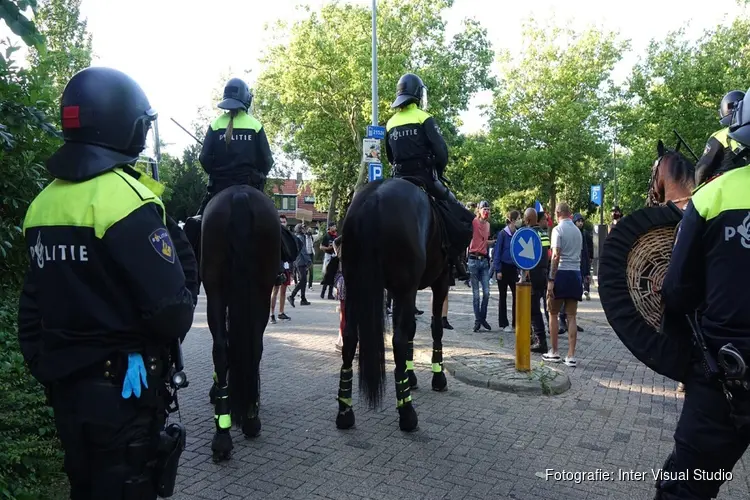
x=374 y=62
x=526 y=251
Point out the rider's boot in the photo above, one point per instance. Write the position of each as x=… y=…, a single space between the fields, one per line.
x=457 y=263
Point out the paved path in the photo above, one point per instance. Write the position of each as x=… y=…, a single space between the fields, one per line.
x=473 y=443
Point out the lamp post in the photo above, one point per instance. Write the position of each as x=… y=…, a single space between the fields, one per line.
x=374 y=63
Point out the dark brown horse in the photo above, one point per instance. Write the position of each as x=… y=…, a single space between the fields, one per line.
x=391 y=239
x=672 y=178
x=240 y=258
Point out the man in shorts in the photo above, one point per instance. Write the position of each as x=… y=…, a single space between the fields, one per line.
x=565 y=285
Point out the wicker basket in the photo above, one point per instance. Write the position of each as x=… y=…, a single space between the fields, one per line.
x=647 y=265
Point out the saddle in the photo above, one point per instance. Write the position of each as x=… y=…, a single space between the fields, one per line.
x=454 y=221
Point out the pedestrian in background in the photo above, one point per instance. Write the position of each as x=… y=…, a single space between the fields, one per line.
x=479 y=265
x=506 y=271
x=564 y=288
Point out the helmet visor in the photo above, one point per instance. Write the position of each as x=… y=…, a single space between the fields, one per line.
x=741 y=115
x=423 y=101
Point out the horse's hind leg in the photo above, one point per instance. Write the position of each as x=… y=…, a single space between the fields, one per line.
x=439 y=293
x=345 y=416
x=413 y=384
x=404 y=325
x=251 y=424
x=222 y=441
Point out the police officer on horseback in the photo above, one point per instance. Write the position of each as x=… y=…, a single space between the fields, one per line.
x=105 y=297
x=416 y=149
x=235 y=150
x=706 y=280
x=721 y=142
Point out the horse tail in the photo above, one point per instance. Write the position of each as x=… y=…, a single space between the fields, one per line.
x=244 y=356
x=363 y=308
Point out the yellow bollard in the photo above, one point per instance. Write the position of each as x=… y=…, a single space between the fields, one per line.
x=523 y=326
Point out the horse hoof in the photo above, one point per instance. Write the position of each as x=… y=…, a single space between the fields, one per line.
x=251 y=427
x=345 y=419
x=221 y=446
x=407 y=418
x=439 y=382
x=412 y=379
x=212 y=394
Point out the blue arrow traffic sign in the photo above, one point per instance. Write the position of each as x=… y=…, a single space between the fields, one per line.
x=375 y=172
x=375 y=132
x=526 y=248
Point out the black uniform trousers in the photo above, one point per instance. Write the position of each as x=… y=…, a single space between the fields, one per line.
x=110 y=443
x=538 y=331
x=706 y=440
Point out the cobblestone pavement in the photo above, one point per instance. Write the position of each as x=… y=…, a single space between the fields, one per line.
x=473 y=443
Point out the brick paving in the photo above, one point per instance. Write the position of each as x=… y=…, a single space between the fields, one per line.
x=473 y=443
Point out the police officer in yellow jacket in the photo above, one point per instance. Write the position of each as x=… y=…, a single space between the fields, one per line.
x=708 y=273
x=235 y=150
x=720 y=141
x=105 y=295
x=415 y=148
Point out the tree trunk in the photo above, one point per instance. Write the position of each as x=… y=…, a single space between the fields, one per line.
x=332 y=206
x=552 y=202
x=362 y=177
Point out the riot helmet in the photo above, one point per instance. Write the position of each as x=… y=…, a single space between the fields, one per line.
x=106 y=117
x=410 y=89
x=728 y=105
x=237 y=95
x=739 y=129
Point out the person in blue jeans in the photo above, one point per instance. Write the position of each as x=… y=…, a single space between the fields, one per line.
x=506 y=270
x=479 y=264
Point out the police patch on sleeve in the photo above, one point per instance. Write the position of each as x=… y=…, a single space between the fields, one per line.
x=162 y=243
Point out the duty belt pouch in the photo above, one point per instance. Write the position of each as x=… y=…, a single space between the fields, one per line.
x=171 y=445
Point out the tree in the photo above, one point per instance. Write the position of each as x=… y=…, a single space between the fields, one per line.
x=30 y=463
x=550 y=114
x=678 y=85
x=314 y=94
x=68 y=43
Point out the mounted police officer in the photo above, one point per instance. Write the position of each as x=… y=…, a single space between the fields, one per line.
x=707 y=281
x=721 y=141
x=105 y=299
x=235 y=150
x=416 y=149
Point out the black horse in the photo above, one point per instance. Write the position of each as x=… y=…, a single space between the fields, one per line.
x=240 y=256
x=392 y=238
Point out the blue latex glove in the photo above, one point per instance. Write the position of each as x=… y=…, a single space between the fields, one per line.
x=134 y=376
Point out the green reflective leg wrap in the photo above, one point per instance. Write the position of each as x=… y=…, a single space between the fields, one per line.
x=410 y=356
x=437 y=360
x=216 y=379
x=345 y=386
x=222 y=417
x=403 y=392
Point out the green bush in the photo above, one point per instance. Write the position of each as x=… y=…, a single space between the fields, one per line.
x=30 y=453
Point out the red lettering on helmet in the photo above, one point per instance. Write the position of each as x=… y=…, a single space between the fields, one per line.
x=71 y=117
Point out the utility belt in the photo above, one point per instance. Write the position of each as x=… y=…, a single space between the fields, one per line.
x=218 y=182
x=412 y=167
x=729 y=370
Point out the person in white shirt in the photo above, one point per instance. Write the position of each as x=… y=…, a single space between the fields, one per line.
x=565 y=285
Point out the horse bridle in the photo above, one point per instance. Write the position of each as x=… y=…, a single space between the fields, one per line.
x=652 y=187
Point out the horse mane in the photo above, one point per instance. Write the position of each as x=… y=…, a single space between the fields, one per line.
x=681 y=170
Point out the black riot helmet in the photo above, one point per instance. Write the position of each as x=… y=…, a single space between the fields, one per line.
x=728 y=104
x=106 y=117
x=739 y=128
x=410 y=89
x=237 y=95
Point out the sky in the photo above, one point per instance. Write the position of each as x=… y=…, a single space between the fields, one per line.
x=180 y=50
